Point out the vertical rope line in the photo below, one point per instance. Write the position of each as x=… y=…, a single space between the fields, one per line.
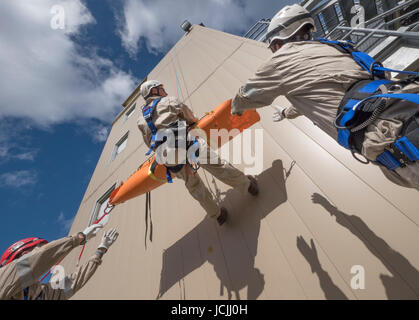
x=176 y=75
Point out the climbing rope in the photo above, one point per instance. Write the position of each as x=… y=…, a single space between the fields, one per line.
x=106 y=211
x=147 y=214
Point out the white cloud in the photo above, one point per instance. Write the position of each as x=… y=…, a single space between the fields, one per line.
x=65 y=223
x=98 y=131
x=44 y=77
x=14 y=145
x=18 y=179
x=101 y=134
x=158 y=22
x=29 y=155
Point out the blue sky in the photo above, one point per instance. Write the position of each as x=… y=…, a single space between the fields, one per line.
x=61 y=89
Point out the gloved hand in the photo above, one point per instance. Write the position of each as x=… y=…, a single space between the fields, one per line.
x=279 y=114
x=91 y=231
x=108 y=238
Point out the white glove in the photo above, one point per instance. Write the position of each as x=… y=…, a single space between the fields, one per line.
x=279 y=114
x=91 y=231
x=108 y=238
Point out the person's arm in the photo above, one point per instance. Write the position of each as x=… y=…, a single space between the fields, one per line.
x=68 y=286
x=291 y=113
x=183 y=111
x=282 y=113
x=75 y=281
x=260 y=90
x=145 y=131
x=26 y=271
x=188 y=114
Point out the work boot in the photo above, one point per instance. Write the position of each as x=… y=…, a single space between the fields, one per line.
x=253 y=188
x=222 y=217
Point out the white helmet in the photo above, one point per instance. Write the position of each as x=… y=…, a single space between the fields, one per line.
x=146 y=87
x=287 y=22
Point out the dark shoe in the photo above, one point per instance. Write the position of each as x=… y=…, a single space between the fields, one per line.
x=222 y=217
x=253 y=188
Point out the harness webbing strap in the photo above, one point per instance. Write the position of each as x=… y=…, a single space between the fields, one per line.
x=363 y=59
x=147 y=114
x=411 y=97
x=351 y=120
x=408 y=148
x=379 y=68
x=344 y=133
x=350 y=104
x=401 y=96
x=373 y=86
x=387 y=160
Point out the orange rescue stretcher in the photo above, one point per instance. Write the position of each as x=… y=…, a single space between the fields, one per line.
x=151 y=175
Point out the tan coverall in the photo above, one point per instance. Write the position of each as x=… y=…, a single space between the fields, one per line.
x=314 y=78
x=169 y=110
x=25 y=272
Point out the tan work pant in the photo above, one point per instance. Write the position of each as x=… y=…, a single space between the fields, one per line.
x=220 y=169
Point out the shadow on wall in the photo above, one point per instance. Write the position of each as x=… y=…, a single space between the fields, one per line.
x=331 y=291
x=233 y=252
x=404 y=282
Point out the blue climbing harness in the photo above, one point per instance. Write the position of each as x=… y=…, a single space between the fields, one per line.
x=147 y=114
x=362 y=105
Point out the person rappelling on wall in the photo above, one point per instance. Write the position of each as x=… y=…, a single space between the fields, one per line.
x=165 y=113
x=23 y=263
x=341 y=90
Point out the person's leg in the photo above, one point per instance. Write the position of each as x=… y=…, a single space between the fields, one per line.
x=199 y=191
x=225 y=172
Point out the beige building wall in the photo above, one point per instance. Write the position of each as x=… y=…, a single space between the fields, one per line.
x=319 y=212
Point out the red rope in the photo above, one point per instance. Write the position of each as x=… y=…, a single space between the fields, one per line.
x=105 y=212
x=46 y=275
x=82 y=250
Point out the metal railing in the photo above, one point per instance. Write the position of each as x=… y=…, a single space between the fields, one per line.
x=366 y=37
x=377 y=28
x=258 y=29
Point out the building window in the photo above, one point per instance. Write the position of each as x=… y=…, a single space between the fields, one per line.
x=100 y=207
x=338 y=12
x=323 y=23
x=120 y=146
x=129 y=113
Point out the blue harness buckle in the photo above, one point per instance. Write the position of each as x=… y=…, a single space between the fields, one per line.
x=401 y=153
x=407 y=148
x=387 y=160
